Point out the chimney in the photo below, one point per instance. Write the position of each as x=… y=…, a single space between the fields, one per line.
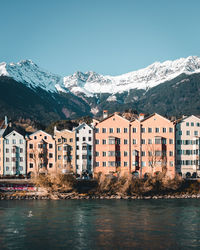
x=105 y=114
x=6 y=120
x=141 y=116
x=55 y=128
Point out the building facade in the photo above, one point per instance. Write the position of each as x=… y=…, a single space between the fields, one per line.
x=112 y=145
x=188 y=146
x=157 y=148
x=41 y=153
x=84 y=149
x=65 y=150
x=14 y=150
x=3 y=127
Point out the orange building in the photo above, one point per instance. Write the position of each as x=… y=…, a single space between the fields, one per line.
x=112 y=145
x=157 y=146
x=66 y=150
x=40 y=153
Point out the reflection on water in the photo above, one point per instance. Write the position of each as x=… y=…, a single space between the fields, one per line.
x=149 y=224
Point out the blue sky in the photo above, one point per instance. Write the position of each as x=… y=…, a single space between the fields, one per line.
x=109 y=37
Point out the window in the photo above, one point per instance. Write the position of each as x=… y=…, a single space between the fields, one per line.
x=50 y=165
x=134 y=130
x=171 y=141
x=7 y=141
x=157 y=130
x=30 y=165
x=97 y=163
x=96 y=141
x=143 y=141
x=21 y=159
x=59 y=139
x=77 y=147
x=90 y=131
x=7 y=159
x=71 y=140
x=21 y=150
x=157 y=140
x=118 y=130
x=14 y=150
x=104 y=154
x=143 y=153
x=149 y=130
x=103 y=141
x=125 y=130
x=196 y=133
x=59 y=148
x=187 y=124
x=149 y=153
x=171 y=163
x=143 y=163
x=31 y=156
x=89 y=138
x=180 y=132
x=170 y=153
x=14 y=159
x=7 y=168
x=84 y=157
x=158 y=153
x=96 y=130
x=164 y=140
x=149 y=141
x=45 y=137
x=110 y=130
x=50 y=155
x=143 y=130
x=192 y=124
x=111 y=141
x=96 y=153
x=104 y=164
x=84 y=138
x=35 y=137
x=111 y=153
x=103 y=130
x=50 y=145
x=125 y=153
x=198 y=124
x=118 y=141
x=134 y=141
x=187 y=132
x=125 y=163
x=84 y=147
x=125 y=141
x=77 y=138
x=171 y=130
x=90 y=147
x=164 y=130
x=59 y=157
x=77 y=157
x=20 y=141
x=7 y=150
x=111 y=164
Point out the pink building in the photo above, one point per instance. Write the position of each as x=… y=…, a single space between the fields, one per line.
x=41 y=153
x=112 y=145
x=157 y=145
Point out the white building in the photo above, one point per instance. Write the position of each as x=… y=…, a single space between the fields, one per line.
x=14 y=149
x=84 y=149
x=188 y=146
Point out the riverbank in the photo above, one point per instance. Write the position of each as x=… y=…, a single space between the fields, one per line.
x=76 y=196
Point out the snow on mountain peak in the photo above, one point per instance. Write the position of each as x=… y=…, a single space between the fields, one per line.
x=91 y=83
x=28 y=73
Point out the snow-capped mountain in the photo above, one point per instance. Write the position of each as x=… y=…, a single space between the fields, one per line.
x=91 y=83
x=30 y=74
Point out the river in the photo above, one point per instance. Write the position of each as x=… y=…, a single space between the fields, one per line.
x=100 y=224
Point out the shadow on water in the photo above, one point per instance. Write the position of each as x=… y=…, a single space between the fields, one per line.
x=98 y=224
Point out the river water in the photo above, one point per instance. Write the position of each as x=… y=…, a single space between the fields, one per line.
x=100 y=224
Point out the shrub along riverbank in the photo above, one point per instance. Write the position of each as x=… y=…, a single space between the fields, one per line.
x=107 y=187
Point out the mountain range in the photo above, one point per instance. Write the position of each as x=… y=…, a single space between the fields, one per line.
x=169 y=88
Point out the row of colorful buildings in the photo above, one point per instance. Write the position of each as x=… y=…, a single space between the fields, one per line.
x=115 y=144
